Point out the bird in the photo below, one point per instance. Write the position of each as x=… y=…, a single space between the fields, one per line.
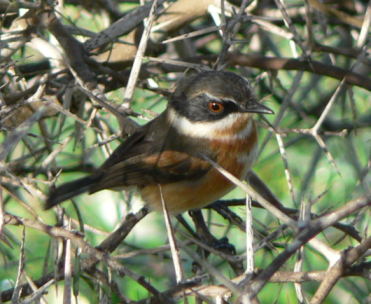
x=208 y=117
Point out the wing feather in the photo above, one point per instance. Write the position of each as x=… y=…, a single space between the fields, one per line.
x=158 y=168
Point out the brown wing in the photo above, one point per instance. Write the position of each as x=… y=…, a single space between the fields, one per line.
x=158 y=168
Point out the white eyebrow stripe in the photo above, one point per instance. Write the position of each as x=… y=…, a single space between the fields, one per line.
x=211 y=97
x=214 y=98
x=210 y=129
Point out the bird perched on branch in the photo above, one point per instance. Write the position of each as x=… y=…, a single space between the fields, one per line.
x=208 y=116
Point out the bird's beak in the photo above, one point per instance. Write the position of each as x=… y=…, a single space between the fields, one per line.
x=255 y=107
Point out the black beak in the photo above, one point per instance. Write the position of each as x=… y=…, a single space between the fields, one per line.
x=255 y=107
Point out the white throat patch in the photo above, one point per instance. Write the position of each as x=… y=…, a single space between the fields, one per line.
x=210 y=129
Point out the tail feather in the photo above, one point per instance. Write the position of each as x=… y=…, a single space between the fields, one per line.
x=69 y=190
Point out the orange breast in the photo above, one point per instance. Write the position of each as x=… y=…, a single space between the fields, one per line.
x=235 y=156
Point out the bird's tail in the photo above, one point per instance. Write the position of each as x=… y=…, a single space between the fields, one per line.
x=69 y=190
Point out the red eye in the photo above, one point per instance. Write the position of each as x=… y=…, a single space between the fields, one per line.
x=216 y=107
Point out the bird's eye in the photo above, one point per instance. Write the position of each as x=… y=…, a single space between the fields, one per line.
x=216 y=107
